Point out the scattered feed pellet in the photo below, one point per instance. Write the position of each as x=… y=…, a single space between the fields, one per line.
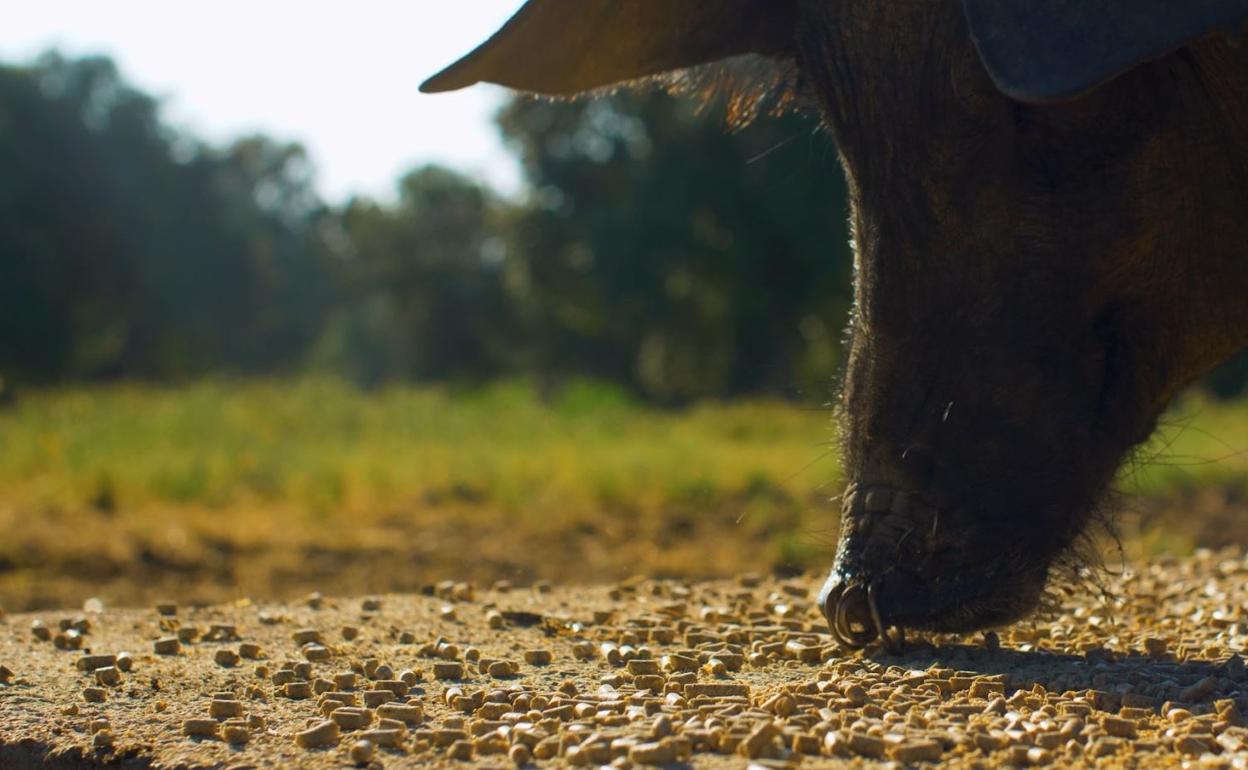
x=94 y=694
x=235 y=733
x=650 y=673
x=199 y=728
x=167 y=645
x=250 y=651
x=319 y=735
x=226 y=658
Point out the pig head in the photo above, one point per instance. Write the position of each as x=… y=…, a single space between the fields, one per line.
x=1049 y=202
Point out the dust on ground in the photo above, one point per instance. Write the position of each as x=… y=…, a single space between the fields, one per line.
x=635 y=674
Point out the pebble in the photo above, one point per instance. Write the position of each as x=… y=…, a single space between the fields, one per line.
x=362 y=752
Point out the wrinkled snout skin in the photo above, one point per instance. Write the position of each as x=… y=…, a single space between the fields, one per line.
x=1034 y=283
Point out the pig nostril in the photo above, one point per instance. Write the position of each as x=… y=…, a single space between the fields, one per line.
x=852 y=618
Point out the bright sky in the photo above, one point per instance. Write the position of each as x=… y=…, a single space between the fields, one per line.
x=339 y=77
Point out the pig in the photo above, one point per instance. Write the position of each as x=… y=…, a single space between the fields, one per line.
x=1049 y=207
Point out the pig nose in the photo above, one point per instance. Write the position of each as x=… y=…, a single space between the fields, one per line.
x=850 y=613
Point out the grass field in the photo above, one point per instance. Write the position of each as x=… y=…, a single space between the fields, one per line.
x=223 y=489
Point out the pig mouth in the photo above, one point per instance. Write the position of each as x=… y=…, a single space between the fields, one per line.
x=899 y=567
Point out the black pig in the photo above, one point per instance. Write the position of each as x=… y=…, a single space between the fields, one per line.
x=1050 y=212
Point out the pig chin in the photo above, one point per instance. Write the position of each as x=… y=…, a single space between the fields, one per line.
x=901 y=565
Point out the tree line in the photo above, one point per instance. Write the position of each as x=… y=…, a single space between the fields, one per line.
x=651 y=247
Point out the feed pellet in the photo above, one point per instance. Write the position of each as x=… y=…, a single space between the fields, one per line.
x=646 y=673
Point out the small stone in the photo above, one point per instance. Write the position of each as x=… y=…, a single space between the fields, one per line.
x=94 y=694
x=362 y=752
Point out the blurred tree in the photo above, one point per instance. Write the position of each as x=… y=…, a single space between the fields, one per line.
x=653 y=248
x=127 y=248
x=422 y=285
x=661 y=250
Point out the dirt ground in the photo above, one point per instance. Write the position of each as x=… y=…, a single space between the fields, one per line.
x=715 y=674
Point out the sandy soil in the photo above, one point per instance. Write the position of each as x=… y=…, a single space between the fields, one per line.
x=718 y=674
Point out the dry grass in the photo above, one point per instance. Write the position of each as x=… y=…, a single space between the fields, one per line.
x=222 y=489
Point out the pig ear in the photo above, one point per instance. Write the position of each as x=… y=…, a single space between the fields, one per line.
x=1050 y=50
x=562 y=47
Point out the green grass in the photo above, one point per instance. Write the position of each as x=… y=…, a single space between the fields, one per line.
x=1198 y=443
x=325 y=446
x=223 y=488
